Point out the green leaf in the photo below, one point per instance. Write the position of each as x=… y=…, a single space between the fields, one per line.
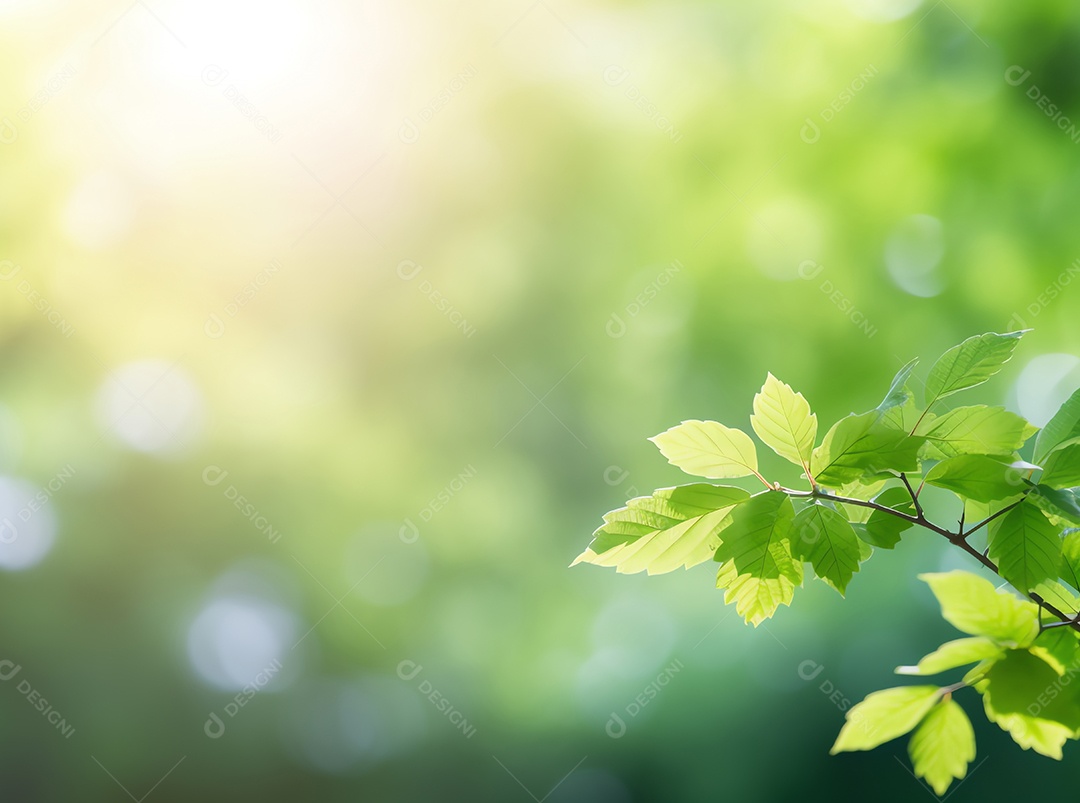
x=858 y=490
x=861 y=444
x=884 y=529
x=976 y=476
x=905 y=416
x=976 y=430
x=898 y=393
x=783 y=421
x=1062 y=428
x=826 y=540
x=952 y=654
x=1027 y=698
x=883 y=716
x=1070 y=558
x=943 y=745
x=971 y=363
x=674 y=527
x=756 y=598
x=1059 y=502
x=1026 y=546
x=972 y=605
x=758 y=540
x=1058 y=647
x=1061 y=469
x=708 y=449
x=1055 y=593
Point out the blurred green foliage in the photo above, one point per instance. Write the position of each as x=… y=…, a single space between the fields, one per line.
x=541 y=193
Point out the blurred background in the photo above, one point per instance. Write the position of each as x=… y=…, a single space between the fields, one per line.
x=330 y=329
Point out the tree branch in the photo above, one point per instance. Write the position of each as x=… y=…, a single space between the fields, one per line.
x=957 y=539
x=914 y=496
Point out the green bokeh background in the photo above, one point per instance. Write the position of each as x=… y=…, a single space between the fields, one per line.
x=539 y=167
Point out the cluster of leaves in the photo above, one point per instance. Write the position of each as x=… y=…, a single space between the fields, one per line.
x=862 y=497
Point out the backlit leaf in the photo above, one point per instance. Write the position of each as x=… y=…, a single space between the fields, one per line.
x=708 y=449
x=783 y=421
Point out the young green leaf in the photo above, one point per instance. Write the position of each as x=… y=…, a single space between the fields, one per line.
x=859 y=445
x=1061 y=429
x=952 y=654
x=674 y=527
x=943 y=745
x=1025 y=696
x=858 y=490
x=975 y=430
x=1026 y=546
x=1061 y=468
x=1059 y=648
x=972 y=605
x=969 y=364
x=1070 y=558
x=884 y=529
x=708 y=449
x=1059 y=502
x=978 y=477
x=756 y=598
x=758 y=540
x=906 y=416
x=883 y=716
x=783 y=421
x=824 y=538
x=1057 y=594
x=898 y=393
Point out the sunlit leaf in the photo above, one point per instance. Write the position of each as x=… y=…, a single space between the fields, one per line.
x=1027 y=698
x=969 y=364
x=756 y=598
x=898 y=392
x=952 y=654
x=1059 y=502
x=1026 y=546
x=758 y=540
x=783 y=421
x=675 y=527
x=825 y=539
x=1061 y=429
x=971 y=604
x=861 y=444
x=883 y=716
x=942 y=746
x=1061 y=468
x=977 y=477
x=708 y=449
x=884 y=529
x=975 y=430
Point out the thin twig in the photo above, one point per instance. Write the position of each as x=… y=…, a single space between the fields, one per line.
x=958 y=539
